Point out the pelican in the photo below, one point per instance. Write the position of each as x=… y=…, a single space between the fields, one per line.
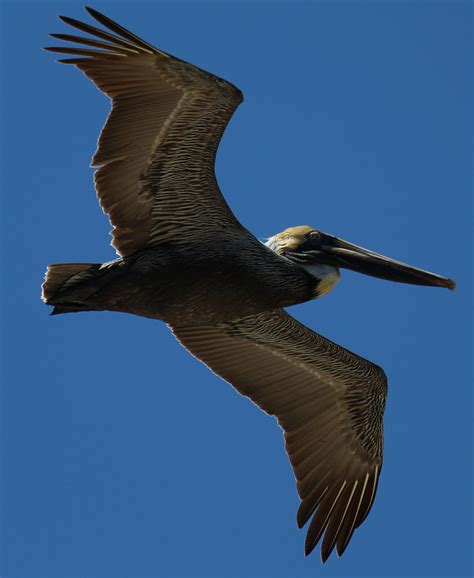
x=186 y=260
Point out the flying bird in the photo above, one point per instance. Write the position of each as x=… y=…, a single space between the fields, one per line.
x=186 y=260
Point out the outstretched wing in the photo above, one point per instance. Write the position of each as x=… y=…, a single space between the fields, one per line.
x=329 y=402
x=157 y=149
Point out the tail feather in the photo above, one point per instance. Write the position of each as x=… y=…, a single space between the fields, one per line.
x=70 y=308
x=63 y=277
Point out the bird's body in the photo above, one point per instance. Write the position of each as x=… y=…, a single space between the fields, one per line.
x=186 y=260
x=190 y=287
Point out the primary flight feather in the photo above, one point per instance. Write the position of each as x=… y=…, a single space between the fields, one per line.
x=185 y=259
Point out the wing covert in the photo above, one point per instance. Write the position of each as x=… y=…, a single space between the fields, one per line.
x=329 y=402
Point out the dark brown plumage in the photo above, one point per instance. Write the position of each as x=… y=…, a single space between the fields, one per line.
x=185 y=259
x=318 y=391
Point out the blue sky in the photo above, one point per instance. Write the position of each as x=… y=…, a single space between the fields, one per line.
x=123 y=456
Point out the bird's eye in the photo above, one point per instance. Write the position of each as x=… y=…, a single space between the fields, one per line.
x=315 y=235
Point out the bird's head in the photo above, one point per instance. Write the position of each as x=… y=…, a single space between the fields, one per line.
x=322 y=255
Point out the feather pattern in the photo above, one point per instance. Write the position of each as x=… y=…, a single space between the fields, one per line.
x=329 y=402
x=156 y=152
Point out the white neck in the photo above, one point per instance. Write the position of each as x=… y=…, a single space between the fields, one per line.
x=329 y=277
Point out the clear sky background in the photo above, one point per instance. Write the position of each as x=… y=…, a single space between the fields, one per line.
x=123 y=456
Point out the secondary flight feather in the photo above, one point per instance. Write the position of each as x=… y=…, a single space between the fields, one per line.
x=186 y=260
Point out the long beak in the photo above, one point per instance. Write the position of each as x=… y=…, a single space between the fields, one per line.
x=344 y=254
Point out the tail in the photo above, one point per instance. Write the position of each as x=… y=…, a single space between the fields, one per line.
x=64 y=286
